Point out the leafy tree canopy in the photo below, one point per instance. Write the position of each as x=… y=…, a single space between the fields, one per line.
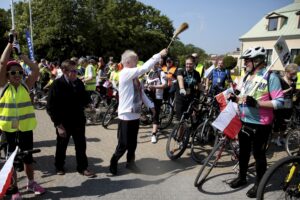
x=66 y=28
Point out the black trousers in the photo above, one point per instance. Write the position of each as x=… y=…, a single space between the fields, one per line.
x=78 y=135
x=127 y=139
x=255 y=138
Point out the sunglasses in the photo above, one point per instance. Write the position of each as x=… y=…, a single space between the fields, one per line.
x=13 y=73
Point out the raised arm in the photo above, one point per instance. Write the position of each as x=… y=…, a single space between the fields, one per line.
x=3 y=62
x=33 y=77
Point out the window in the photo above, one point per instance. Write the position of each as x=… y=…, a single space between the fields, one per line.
x=294 y=54
x=269 y=56
x=273 y=22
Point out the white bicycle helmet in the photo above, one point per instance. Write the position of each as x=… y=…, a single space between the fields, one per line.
x=254 y=52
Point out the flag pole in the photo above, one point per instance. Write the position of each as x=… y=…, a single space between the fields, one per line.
x=30 y=20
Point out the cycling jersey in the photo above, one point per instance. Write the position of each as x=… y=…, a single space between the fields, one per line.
x=269 y=87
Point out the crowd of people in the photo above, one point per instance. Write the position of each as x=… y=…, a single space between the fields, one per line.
x=71 y=83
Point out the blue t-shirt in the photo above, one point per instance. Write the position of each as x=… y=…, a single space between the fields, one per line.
x=219 y=76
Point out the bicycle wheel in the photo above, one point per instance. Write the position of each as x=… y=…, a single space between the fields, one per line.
x=203 y=141
x=37 y=101
x=281 y=181
x=110 y=114
x=177 y=143
x=166 y=115
x=292 y=142
x=209 y=163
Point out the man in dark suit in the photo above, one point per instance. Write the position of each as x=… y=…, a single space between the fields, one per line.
x=66 y=102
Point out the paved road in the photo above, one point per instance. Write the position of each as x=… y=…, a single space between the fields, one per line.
x=160 y=178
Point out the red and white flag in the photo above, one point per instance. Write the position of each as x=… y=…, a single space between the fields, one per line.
x=228 y=121
x=223 y=96
x=6 y=173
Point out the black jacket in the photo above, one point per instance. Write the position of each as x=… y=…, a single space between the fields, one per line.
x=65 y=103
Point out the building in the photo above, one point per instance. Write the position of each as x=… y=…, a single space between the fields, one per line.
x=281 y=22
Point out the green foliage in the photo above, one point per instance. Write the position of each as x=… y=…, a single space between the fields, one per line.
x=181 y=51
x=229 y=62
x=4 y=27
x=66 y=28
x=297 y=60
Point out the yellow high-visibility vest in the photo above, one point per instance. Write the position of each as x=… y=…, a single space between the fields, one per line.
x=91 y=84
x=16 y=110
x=298 y=81
x=199 y=68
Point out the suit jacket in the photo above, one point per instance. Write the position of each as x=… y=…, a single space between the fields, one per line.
x=66 y=102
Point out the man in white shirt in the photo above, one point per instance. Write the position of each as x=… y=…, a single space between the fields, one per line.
x=131 y=97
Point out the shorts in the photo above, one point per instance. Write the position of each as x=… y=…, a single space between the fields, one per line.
x=25 y=142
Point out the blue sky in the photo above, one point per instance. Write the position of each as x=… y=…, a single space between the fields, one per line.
x=214 y=25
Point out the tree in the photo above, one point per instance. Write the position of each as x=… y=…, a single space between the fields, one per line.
x=229 y=62
x=66 y=28
x=4 y=27
x=181 y=51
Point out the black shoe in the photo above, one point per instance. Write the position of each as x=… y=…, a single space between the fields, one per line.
x=113 y=167
x=238 y=182
x=12 y=190
x=132 y=166
x=252 y=192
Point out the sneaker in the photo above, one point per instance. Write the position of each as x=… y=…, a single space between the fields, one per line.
x=252 y=192
x=153 y=139
x=16 y=196
x=12 y=190
x=36 y=188
x=238 y=182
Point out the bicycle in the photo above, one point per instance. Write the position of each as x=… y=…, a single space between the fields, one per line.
x=292 y=143
x=165 y=116
x=39 y=97
x=215 y=155
x=205 y=136
x=112 y=110
x=282 y=180
x=94 y=112
x=17 y=163
x=179 y=137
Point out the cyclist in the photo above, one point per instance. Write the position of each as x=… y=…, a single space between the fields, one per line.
x=218 y=77
x=188 y=88
x=156 y=82
x=17 y=114
x=170 y=71
x=256 y=115
x=288 y=84
x=198 y=66
x=89 y=78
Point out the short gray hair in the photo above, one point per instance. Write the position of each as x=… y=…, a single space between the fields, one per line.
x=127 y=56
x=292 y=67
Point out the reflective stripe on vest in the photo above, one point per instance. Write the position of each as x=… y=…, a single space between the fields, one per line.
x=169 y=74
x=298 y=81
x=16 y=106
x=91 y=84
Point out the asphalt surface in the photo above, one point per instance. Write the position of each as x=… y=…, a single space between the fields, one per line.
x=160 y=178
